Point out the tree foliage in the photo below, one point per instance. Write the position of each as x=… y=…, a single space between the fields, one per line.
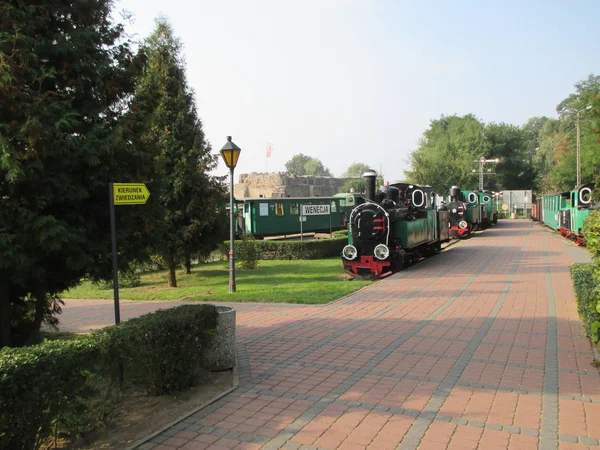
x=356 y=185
x=301 y=164
x=191 y=218
x=556 y=160
x=66 y=72
x=515 y=170
x=539 y=155
x=355 y=170
x=448 y=152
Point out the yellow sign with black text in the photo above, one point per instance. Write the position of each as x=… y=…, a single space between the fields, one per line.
x=130 y=193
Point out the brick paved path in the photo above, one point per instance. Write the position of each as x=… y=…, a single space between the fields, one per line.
x=478 y=347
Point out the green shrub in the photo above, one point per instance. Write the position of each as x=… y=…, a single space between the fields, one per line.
x=64 y=386
x=287 y=250
x=585 y=286
x=127 y=279
x=44 y=390
x=591 y=231
x=161 y=352
x=247 y=253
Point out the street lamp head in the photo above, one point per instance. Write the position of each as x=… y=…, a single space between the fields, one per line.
x=230 y=153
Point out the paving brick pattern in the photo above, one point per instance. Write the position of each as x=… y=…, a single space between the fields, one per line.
x=479 y=347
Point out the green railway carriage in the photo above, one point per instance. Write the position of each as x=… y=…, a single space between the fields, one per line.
x=281 y=216
x=551 y=205
x=567 y=211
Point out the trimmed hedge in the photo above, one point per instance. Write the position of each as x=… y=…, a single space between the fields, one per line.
x=286 y=250
x=162 y=352
x=55 y=387
x=42 y=387
x=584 y=283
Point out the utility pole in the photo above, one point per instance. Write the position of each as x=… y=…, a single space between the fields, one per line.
x=578 y=151
x=578 y=126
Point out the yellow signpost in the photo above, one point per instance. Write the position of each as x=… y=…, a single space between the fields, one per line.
x=130 y=193
x=122 y=194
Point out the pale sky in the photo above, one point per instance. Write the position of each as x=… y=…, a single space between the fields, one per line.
x=359 y=81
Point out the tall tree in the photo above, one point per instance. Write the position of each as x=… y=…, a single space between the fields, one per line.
x=66 y=71
x=301 y=164
x=448 y=152
x=315 y=168
x=189 y=197
x=515 y=170
x=557 y=161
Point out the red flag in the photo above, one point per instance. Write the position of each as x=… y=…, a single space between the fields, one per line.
x=269 y=150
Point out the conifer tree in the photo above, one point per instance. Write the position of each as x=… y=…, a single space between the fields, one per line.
x=189 y=197
x=66 y=72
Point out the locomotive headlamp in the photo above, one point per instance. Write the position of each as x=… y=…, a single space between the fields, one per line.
x=463 y=224
x=381 y=251
x=349 y=252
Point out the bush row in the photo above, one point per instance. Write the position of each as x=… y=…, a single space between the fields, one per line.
x=586 y=278
x=286 y=250
x=584 y=283
x=61 y=386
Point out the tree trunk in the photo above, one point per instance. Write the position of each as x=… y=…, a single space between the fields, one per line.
x=40 y=308
x=172 y=276
x=5 y=317
x=188 y=264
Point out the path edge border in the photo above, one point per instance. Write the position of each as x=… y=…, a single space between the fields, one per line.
x=236 y=383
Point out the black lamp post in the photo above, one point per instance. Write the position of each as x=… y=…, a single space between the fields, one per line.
x=230 y=153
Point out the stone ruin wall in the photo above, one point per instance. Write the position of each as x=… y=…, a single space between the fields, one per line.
x=278 y=185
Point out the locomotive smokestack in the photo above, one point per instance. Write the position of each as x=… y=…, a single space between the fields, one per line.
x=454 y=193
x=370 y=177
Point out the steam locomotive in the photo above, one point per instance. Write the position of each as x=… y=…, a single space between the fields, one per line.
x=469 y=211
x=397 y=225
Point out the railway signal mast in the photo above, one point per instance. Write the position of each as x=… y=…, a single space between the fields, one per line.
x=482 y=162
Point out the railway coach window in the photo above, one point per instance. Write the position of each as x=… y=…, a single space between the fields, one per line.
x=279 y=209
x=294 y=209
x=333 y=207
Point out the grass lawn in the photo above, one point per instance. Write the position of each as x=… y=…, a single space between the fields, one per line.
x=309 y=282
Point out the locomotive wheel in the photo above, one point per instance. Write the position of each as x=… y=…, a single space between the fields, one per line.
x=398 y=261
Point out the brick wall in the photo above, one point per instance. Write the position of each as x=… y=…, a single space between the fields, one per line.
x=284 y=185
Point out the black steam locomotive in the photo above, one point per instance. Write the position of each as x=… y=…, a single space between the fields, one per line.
x=397 y=225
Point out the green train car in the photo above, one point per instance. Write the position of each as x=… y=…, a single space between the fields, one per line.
x=262 y=217
x=567 y=211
